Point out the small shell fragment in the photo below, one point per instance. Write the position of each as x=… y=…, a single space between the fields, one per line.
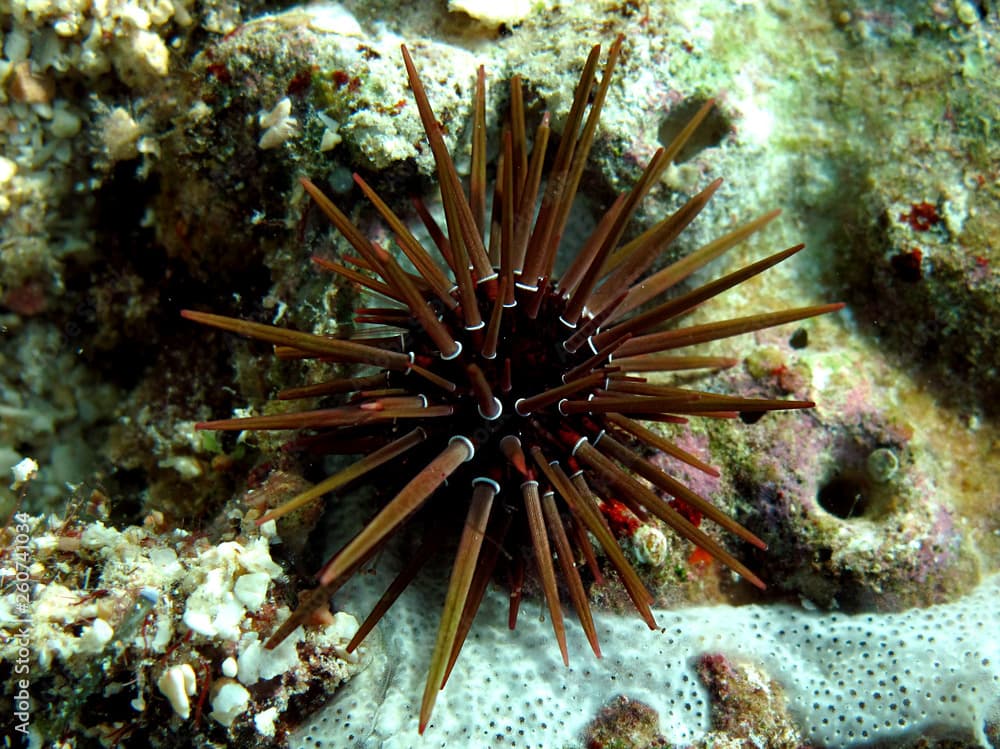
x=278 y=125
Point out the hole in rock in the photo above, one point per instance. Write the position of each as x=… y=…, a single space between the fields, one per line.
x=847 y=496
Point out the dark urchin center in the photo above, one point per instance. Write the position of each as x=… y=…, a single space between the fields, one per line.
x=530 y=359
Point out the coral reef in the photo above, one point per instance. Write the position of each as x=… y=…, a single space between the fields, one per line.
x=133 y=183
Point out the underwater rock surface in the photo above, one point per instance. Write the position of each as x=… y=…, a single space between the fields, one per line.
x=149 y=160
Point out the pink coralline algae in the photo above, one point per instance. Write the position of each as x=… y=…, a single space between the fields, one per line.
x=842 y=528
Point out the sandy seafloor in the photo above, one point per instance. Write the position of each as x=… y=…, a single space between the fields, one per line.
x=150 y=152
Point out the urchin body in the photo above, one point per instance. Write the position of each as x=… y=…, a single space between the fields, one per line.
x=524 y=392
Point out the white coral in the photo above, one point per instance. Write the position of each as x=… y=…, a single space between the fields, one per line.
x=199 y=588
x=230 y=701
x=177 y=684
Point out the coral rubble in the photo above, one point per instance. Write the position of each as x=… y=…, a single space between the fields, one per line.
x=168 y=623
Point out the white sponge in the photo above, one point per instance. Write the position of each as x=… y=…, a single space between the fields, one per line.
x=849 y=679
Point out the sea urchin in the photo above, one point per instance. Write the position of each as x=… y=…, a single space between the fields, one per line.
x=522 y=391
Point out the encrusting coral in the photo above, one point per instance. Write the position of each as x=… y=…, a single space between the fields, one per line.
x=534 y=382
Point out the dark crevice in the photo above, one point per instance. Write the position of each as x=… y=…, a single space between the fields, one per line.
x=709 y=134
x=846 y=496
